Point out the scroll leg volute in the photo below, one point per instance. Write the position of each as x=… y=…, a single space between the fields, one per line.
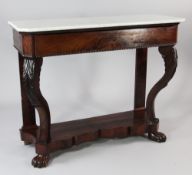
x=30 y=82
x=169 y=56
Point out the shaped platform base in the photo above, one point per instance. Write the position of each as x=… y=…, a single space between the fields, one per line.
x=67 y=134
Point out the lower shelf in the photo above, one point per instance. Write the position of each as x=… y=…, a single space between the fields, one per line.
x=67 y=134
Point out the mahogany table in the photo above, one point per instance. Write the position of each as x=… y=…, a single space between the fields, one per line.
x=42 y=38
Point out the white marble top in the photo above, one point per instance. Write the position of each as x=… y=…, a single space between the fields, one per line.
x=91 y=22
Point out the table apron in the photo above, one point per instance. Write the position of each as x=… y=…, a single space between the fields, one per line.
x=61 y=43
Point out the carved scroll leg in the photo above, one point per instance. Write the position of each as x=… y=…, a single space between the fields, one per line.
x=169 y=55
x=30 y=82
x=28 y=111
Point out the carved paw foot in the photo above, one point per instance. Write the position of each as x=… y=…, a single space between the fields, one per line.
x=40 y=161
x=157 y=137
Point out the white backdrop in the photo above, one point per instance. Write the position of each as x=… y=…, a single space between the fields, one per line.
x=85 y=85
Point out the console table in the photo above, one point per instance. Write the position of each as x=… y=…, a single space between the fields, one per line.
x=36 y=39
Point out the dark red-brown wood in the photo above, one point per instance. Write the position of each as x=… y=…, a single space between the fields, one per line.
x=28 y=111
x=169 y=55
x=67 y=134
x=58 y=43
x=141 y=121
x=140 y=78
